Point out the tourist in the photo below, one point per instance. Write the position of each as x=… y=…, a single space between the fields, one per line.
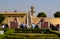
x=3 y=26
x=36 y=26
x=6 y=25
x=22 y=25
x=25 y=25
x=52 y=27
x=39 y=25
x=57 y=26
x=33 y=25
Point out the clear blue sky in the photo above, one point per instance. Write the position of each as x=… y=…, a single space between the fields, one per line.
x=47 y=6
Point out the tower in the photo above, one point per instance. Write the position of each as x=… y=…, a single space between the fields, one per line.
x=32 y=10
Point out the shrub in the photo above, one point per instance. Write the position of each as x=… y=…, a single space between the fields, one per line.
x=10 y=31
x=24 y=30
x=30 y=36
x=37 y=30
x=45 y=31
x=21 y=30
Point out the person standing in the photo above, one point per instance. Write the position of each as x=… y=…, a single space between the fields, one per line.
x=22 y=25
x=33 y=25
x=3 y=26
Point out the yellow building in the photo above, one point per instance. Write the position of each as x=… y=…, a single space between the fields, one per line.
x=9 y=16
x=22 y=17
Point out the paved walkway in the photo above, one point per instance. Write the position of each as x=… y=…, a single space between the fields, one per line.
x=2 y=32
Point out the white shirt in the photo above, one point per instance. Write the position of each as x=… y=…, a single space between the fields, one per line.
x=3 y=26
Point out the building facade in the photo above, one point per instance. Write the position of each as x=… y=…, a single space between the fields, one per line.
x=22 y=17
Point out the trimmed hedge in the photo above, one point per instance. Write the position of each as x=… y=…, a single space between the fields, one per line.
x=54 y=32
x=36 y=33
x=10 y=31
x=17 y=37
x=31 y=36
x=36 y=30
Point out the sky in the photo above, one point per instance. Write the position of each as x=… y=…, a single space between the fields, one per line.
x=47 y=6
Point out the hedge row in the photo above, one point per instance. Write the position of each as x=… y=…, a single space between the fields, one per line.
x=31 y=36
x=36 y=30
x=16 y=37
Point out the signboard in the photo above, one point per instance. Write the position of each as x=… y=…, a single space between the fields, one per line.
x=13 y=24
x=44 y=25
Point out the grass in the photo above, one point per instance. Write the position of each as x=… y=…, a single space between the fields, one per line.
x=1 y=36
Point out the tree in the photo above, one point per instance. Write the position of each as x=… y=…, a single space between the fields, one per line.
x=15 y=11
x=1 y=18
x=41 y=14
x=57 y=14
